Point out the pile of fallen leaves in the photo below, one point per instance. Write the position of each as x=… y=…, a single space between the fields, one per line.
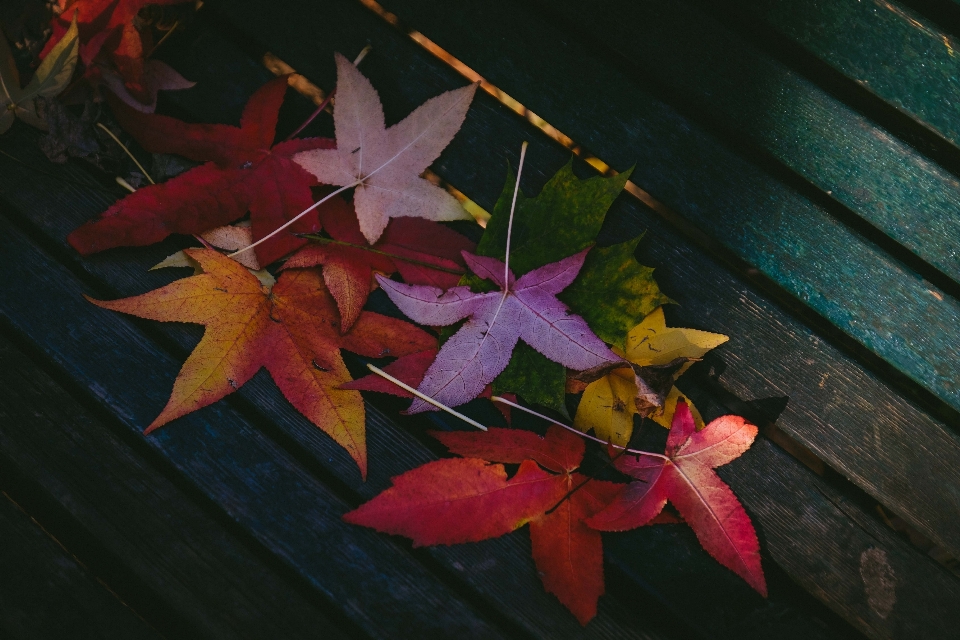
x=535 y=311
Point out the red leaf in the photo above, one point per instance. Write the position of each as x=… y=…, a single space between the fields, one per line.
x=108 y=31
x=408 y=369
x=568 y=553
x=687 y=479
x=424 y=252
x=559 y=451
x=243 y=174
x=460 y=500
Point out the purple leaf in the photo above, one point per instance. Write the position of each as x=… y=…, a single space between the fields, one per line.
x=481 y=349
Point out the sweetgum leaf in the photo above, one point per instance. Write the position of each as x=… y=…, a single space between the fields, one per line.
x=385 y=164
x=243 y=171
x=614 y=291
x=50 y=79
x=524 y=309
x=686 y=478
x=562 y=220
x=292 y=331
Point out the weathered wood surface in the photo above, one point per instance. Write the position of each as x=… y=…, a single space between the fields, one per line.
x=177 y=566
x=785 y=234
x=859 y=425
x=889 y=49
x=221 y=454
x=44 y=593
x=103 y=265
x=278 y=485
x=720 y=79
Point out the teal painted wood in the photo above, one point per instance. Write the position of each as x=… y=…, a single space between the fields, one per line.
x=860 y=426
x=898 y=55
x=798 y=244
x=844 y=154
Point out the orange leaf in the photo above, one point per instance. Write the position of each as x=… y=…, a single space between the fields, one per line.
x=293 y=331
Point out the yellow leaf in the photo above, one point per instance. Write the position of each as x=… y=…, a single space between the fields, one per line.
x=607 y=406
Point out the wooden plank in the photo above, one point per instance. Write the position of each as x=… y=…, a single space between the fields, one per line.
x=44 y=593
x=851 y=419
x=404 y=59
x=843 y=276
x=172 y=561
x=257 y=484
x=727 y=599
x=500 y=570
x=752 y=96
x=895 y=53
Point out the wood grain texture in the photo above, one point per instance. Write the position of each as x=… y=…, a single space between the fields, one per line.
x=404 y=63
x=199 y=578
x=847 y=416
x=256 y=483
x=799 y=245
x=890 y=50
x=500 y=571
x=44 y=593
x=844 y=154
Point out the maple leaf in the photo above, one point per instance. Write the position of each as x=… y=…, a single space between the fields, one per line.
x=524 y=309
x=685 y=477
x=385 y=164
x=292 y=331
x=608 y=405
x=51 y=77
x=423 y=251
x=612 y=292
x=107 y=27
x=243 y=173
x=156 y=76
x=468 y=500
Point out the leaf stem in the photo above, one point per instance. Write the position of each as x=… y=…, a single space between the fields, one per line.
x=326 y=101
x=513 y=206
x=292 y=220
x=425 y=398
x=127 y=151
x=576 y=431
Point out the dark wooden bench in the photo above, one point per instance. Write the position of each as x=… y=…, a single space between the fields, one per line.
x=797 y=179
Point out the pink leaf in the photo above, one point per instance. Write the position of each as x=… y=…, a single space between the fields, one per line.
x=387 y=163
x=687 y=479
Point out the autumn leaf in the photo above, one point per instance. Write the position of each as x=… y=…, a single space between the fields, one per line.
x=612 y=293
x=292 y=331
x=156 y=76
x=51 y=78
x=524 y=309
x=243 y=173
x=408 y=369
x=385 y=164
x=568 y=553
x=468 y=500
x=423 y=251
x=460 y=500
x=685 y=477
x=108 y=31
x=608 y=405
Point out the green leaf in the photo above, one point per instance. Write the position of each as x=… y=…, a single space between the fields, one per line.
x=614 y=292
x=564 y=219
x=535 y=377
x=51 y=78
